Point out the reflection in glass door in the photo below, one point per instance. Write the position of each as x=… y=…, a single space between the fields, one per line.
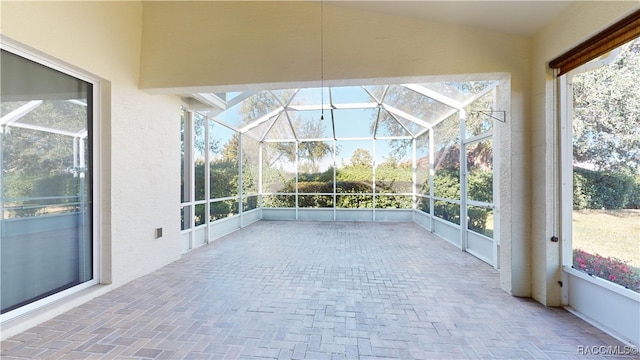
x=46 y=152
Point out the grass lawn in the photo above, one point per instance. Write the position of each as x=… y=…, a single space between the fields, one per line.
x=609 y=233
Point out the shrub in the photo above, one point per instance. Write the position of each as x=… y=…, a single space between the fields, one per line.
x=634 y=198
x=612 y=269
x=446 y=184
x=314 y=187
x=477 y=218
x=222 y=209
x=603 y=190
x=480 y=186
x=279 y=201
x=223 y=178
x=393 y=202
x=447 y=211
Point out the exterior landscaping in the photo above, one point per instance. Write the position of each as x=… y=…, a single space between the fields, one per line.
x=606 y=168
x=607 y=244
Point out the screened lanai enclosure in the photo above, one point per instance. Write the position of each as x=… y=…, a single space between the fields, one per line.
x=419 y=152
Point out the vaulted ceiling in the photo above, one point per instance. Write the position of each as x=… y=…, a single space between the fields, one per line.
x=523 y=18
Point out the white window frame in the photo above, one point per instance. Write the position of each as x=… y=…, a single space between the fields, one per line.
x=583 y=294
x=68 y=69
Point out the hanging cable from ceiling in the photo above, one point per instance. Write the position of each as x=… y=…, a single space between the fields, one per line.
x=322 y=59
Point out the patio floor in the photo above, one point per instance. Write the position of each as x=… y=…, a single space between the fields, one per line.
x=314 y=290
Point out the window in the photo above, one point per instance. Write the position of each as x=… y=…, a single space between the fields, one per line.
x=354 y=174
x=602 y=162
x=279 y=174
x=446 y=182
x=199 y=170
x=422 y=183
x=223 y=171
x=47 y=179
x=185 y=174
x=394 y=174
x=315 y=174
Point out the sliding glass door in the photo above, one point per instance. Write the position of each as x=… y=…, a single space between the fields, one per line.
x=46 y=181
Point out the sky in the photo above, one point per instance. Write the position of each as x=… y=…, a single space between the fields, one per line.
x=349 y=123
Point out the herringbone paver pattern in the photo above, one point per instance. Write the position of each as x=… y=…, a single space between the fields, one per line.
x=313 y=290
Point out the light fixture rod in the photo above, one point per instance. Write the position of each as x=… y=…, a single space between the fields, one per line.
x=322 y=58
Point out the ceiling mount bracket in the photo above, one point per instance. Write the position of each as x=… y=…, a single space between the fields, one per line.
x=501 y=114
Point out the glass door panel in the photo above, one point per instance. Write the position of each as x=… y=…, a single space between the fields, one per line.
x=46 y=151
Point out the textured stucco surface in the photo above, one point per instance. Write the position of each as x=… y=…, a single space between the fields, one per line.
x=139 y=133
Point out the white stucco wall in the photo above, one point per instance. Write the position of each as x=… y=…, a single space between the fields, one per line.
x=139 y=132
x=575 y=25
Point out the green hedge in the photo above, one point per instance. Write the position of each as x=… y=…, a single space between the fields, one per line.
x=605 y=190
x=350 y=195
x=353 y=182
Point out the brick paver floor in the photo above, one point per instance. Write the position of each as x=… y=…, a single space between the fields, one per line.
x=314 y=290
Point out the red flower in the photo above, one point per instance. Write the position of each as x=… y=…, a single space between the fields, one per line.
x=612 y=278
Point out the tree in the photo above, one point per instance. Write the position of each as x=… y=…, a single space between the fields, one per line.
x=263 y=103
x=430 y=110
x=257 y=106
x=311 y=152
x=361 y=157
x=39 y=163
x=230 y=150
x=606 y=130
